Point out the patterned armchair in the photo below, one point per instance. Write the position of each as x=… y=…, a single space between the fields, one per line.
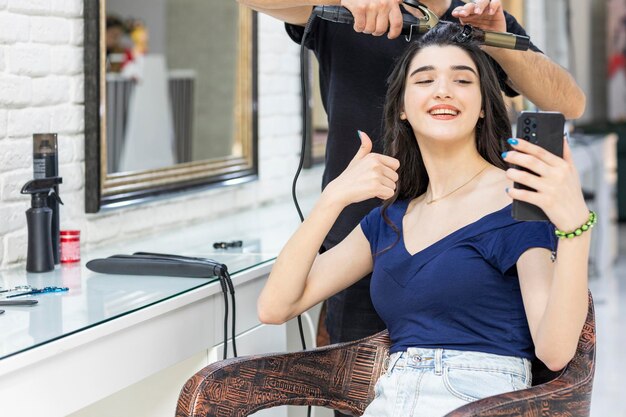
x=342 y=377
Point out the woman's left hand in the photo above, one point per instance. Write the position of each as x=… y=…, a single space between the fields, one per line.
x=558 y=191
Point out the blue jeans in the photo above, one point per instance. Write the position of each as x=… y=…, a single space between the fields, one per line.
x=433 y=382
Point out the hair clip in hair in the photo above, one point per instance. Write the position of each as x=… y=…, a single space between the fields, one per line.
x=465 y=35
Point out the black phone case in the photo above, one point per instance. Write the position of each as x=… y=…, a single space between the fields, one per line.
x=544 y=129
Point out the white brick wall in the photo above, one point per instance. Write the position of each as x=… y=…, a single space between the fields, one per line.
x=15 y=91
x=41 y=90
x=43 y=7
x=3 y=125
x=13 y=28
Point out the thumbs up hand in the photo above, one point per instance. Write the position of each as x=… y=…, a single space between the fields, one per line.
x=368 y=175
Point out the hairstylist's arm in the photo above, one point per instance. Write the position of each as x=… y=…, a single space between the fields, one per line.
x=370 y=16
x=555 y=294
x=548 y=85
x=296 y=12
x=300 y=277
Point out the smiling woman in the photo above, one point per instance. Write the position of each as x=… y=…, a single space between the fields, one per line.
x=469 y=295
x=170 y=93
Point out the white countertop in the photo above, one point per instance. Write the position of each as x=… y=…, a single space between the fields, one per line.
x=109 y=332
x=94 y=299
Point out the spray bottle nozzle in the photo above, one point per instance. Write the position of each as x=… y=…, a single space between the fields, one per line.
x=40 y=188
x=41 y=185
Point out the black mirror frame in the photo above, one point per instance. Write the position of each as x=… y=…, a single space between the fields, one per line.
x=223 y=174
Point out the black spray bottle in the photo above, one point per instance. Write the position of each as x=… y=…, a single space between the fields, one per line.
x=39 y=257
x=46 y=165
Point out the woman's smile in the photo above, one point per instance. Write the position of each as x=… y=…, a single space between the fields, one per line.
x=444 y=112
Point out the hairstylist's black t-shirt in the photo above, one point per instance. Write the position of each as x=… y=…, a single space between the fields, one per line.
x=353 y=71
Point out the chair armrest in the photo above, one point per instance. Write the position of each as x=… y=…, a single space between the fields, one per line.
x=341 y=377
x=555 y=398
x=569 y=394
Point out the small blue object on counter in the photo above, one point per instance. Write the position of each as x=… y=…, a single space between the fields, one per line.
x=40 y=291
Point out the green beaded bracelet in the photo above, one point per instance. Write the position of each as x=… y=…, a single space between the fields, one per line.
x=592 y=220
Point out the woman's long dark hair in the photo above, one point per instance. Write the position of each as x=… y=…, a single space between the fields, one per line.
x=399 y=139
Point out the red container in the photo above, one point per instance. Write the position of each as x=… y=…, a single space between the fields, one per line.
x=70 y=246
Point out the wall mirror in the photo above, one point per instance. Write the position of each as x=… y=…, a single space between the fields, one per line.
x=170 y=98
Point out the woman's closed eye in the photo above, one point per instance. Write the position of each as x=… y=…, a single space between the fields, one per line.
x=427 y=81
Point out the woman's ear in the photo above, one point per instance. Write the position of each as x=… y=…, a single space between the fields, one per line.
x=402 y=116
x=482 y=114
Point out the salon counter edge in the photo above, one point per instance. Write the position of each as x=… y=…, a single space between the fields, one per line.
x=75 y=372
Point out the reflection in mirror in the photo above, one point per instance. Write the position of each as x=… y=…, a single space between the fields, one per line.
x=177 y=86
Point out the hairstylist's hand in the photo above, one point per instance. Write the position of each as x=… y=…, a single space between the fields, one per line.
x=558 y=194
x=376 y=16
x=483 y=14
x=367 y=176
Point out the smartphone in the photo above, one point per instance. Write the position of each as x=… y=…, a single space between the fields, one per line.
x=544 y=129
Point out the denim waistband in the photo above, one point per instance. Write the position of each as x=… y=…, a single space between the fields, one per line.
x=421 y=358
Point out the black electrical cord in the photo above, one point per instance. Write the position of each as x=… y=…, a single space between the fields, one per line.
x=226 y=283
x=305 y=111
x=227 y=286
x=305 y=138
x=225 y=293
x=231 y=287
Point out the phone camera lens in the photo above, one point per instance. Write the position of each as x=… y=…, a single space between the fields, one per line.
x=527 y=121
x=526 y=129
x=534 y=126
x=527 y=137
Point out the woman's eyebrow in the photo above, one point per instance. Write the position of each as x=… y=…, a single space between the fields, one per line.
x=422 y=69
x=463 y=68
x=453 y=67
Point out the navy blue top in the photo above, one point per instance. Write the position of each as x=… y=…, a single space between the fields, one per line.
x=462 y=292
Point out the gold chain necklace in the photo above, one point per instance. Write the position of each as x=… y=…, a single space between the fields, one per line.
x=459 y=187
